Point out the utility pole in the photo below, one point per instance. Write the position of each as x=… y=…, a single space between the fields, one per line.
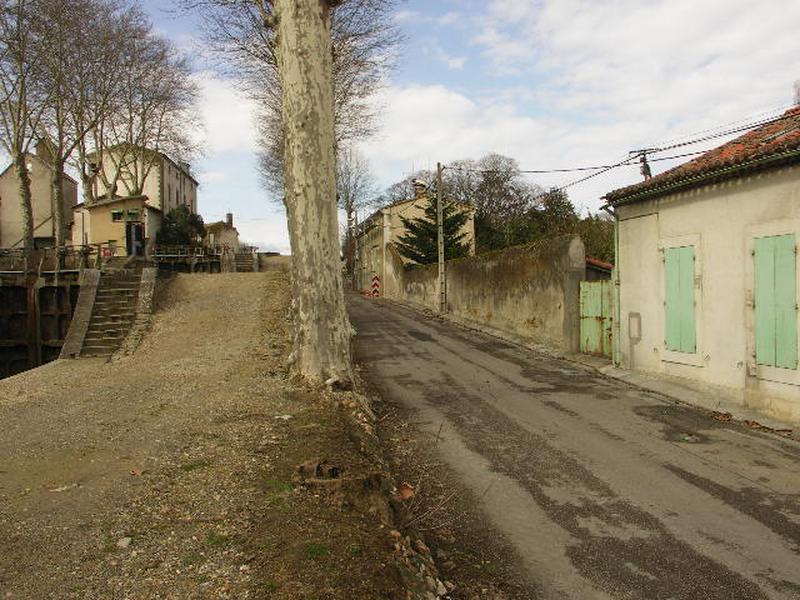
x=440 y=239
x=645 y=168
x=356 y=265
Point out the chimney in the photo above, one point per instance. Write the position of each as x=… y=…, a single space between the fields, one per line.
x=229 y=219
x=797 y=93
x=44 y=151
x=420 y=188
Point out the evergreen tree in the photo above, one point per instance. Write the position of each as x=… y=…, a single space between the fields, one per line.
x=421 y=239
x=180 y=227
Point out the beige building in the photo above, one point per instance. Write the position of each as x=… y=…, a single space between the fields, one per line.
x=708 y=270
x=223 y=233
x=134 y=189
x=11 y=221
x=385 y=227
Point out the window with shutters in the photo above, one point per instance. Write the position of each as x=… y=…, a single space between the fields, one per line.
x=679 y=269
x=776 y=301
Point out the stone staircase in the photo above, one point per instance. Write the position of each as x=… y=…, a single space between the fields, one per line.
x=113 y=313
x=244 y=263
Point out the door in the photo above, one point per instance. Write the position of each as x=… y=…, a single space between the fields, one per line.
x=597 y=310
x=134 y=238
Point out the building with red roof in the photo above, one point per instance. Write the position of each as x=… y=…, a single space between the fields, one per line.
x=708 y=270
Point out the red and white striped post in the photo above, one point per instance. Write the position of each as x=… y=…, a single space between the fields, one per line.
x=376 y=286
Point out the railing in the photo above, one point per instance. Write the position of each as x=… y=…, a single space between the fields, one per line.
x=161 y=252
x=45 y=260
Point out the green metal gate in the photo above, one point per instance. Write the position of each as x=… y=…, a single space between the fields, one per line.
x=597 y=310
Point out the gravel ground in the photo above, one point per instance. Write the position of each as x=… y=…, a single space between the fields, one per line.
x=170 y=474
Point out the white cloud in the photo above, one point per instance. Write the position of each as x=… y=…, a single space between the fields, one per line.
x=449 y=18
x=229 y=117
x=211 y=176
x=407 y=16
x=593 y=81
x=670 y=60
x=451 y=62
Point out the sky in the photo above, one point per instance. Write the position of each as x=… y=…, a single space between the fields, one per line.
x=552 y=83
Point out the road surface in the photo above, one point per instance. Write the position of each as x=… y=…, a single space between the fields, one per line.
x=605 y=491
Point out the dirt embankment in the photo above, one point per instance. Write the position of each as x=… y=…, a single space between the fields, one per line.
x=172 y=473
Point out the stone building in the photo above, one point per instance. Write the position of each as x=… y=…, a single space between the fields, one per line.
x=708 y=270
x=223 y=233
x=11 y=221
x=133 y=189
x=385 y=227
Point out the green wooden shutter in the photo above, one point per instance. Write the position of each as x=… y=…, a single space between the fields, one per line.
x=680 y=310
x=776 y=301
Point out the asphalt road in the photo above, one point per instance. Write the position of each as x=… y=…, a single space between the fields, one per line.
x=606 y=491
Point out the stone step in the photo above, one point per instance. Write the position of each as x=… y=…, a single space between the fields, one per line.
x=110 y=311
x=94 y=353
x=113 y=319
x=103 y=332
x=101 y=345
x=118 y=290
x=89 y=351
x=104 y=302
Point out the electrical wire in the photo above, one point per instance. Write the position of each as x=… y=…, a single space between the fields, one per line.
x=602 y=169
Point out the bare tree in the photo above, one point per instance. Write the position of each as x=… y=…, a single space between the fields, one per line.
x=365 y=42
x=80 y=73
x=154 y=112
x=355 y=190
x=21 y=98
x=321 y=350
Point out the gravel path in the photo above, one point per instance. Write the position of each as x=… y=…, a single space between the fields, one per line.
x=168 y=474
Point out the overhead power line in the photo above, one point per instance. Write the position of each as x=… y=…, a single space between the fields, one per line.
x=635 y=155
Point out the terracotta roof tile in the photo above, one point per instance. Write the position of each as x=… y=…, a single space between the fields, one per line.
x=771 y=144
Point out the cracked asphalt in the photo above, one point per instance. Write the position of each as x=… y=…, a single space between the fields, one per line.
x=603 y=490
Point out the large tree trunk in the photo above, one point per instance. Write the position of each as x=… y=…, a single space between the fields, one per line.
x=24 y=178
x=322 y=331
x=57 y=198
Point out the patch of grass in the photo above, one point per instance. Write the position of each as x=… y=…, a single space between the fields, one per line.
x=314 y=551
x=217 y=540
x=355 y=549
x=195 y=464
x=193 y=558
x=109 y=544
x=276 y=489
x=269 y=587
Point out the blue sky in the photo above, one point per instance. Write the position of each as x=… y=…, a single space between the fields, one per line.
x=552 y=83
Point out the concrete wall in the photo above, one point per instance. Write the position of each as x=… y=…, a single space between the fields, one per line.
x=11 y=223
x=721 y=221
x=266 y=263
x=529 y=292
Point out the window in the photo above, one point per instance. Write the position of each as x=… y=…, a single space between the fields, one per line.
x=680 y=305
x=117 y=215
x=133 y=214
x=776 y=301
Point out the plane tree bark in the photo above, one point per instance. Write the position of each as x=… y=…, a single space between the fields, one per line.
x=322 y=331
x=21 y=100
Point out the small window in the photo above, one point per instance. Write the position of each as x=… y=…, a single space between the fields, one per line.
x=776 y=301
x=133 y=214
x=117 y=215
